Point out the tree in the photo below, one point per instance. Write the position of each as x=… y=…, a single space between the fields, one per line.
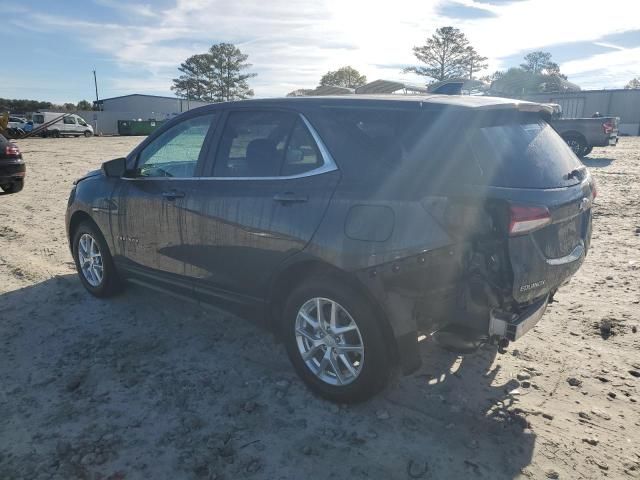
x=229 y=83
x=24 y=106
x=536 y=62
x=69 y=107
x=475 y=62
x=301 y=92
x=193 y=83
x=497 y=75
x=537 y=74
x=84 y=105
x=343 y=77
x=539 y=62
x=633 y=83
x=215 y=76
x=445 y=55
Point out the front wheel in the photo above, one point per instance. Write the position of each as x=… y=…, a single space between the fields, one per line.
x=334 y=341
x=88 y=134
x=93 y=261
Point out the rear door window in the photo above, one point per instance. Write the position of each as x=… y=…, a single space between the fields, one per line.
x=253 y=144
x=301 y=154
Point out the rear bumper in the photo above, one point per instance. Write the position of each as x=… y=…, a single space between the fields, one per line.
x=10 y=171
x=513 y=326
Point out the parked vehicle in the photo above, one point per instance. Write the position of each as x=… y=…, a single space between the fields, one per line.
x=348 y=224
x=582 y=134
x=66 y=124
x=16 y=122
x=12 y=167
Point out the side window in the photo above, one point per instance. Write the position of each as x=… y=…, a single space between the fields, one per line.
x=253 y=144
x=302 y=153
x=175 y=152
x=69 y=120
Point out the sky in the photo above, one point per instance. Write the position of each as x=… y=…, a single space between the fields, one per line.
x=52 y=47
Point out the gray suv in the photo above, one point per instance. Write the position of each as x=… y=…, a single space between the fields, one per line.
x=348 y=225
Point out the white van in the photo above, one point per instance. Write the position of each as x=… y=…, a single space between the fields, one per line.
x=67 y=124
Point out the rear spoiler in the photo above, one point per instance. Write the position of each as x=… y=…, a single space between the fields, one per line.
x=525 y=107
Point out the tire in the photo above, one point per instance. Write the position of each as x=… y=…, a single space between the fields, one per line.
x=577 y=144
x=14 y=187
x=370 y=367
x=587 y=151
x=55 y=134
x=88 y=134
x=109 y=284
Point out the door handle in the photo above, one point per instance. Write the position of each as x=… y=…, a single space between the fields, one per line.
x=290 y=197
x=172 y=195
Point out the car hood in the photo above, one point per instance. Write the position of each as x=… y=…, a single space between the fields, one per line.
x=92 y=173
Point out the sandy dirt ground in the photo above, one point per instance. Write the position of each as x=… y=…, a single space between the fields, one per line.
x=144 y=386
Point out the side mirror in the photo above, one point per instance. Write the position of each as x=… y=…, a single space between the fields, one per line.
x=115 y=168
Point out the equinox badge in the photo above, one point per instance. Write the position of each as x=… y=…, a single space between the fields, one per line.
x=531 y=286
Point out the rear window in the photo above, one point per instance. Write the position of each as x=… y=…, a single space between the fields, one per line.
x=520 y=155
x=38 y=118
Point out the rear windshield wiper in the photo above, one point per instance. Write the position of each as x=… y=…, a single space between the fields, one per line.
x=575 y=173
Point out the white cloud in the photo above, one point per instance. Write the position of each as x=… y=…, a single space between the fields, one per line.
x=291 y=44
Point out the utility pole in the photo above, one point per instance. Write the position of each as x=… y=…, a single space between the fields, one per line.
x=95 y=82
x=95 y=115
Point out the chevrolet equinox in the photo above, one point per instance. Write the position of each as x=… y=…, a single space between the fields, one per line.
x=348 y=224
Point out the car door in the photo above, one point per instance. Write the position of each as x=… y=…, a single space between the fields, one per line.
x=151 y=202
x=267 y=186
x=68 y=125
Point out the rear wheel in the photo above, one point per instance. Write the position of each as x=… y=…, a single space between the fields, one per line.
x=587 y=151
x=13 y=187
x=55 y=134
x=334 y=341
x=577 y=144
x=93 y=261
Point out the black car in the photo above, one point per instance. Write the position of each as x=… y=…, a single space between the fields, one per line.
x=348 y=224
x=12 y=167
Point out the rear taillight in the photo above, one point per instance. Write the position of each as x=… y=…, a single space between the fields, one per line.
x=11 y=150
x=608 y=127
x=524 y=219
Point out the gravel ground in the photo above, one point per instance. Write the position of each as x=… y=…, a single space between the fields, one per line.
x=144 y=386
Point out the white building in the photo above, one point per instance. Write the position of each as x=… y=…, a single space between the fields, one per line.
x=135 y=107
x=137 y=102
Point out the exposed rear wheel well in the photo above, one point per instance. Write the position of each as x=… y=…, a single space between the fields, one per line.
x=296 y=274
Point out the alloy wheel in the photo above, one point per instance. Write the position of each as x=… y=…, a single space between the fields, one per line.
x=90 y=260
x=329 y=341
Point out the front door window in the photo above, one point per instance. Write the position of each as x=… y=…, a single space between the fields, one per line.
x=175 y=152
